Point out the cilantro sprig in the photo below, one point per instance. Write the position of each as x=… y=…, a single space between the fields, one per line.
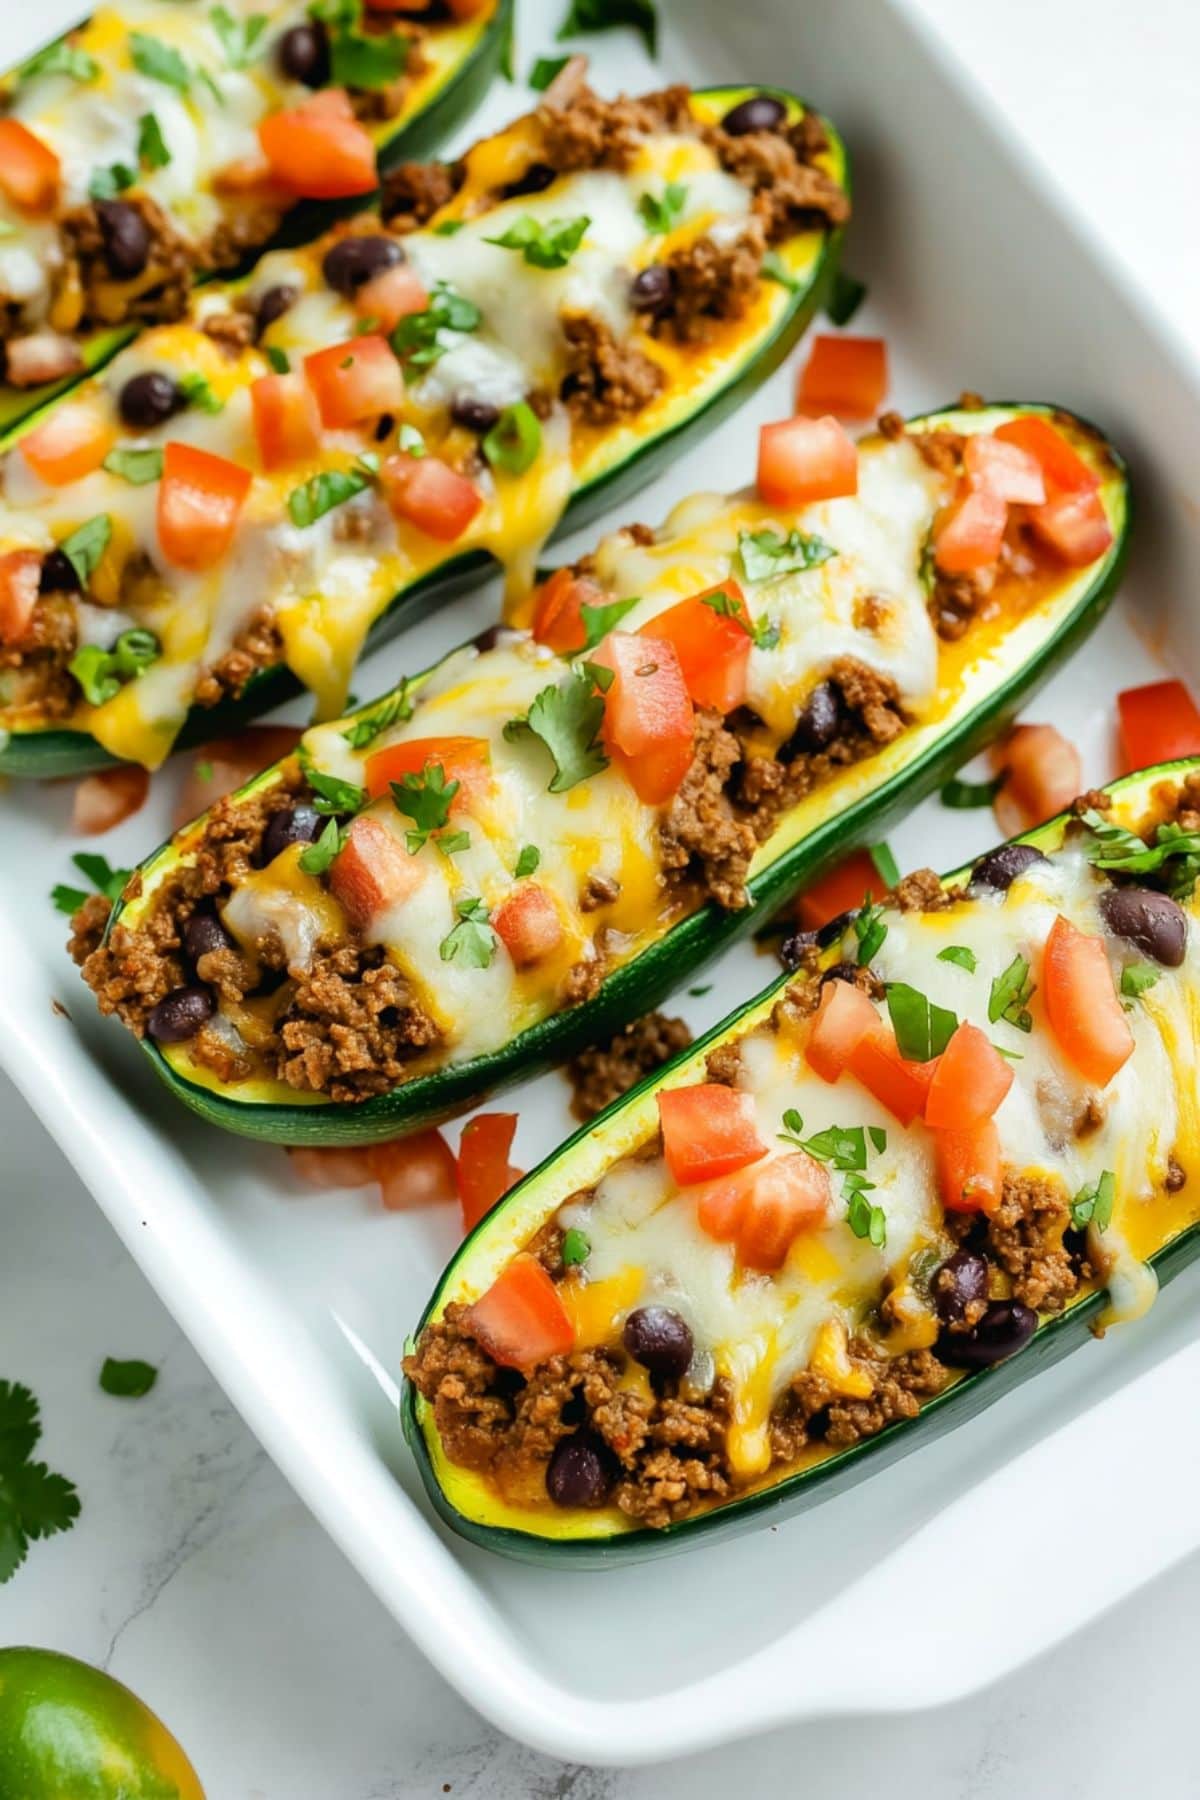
x=767 y=555
x=34 y=1502
x=1010 y=994
x=104 y=879
x=1174 y=852
x=419 y=339
x=1093 y=1204
x=159 y=61
x=358 y=58
x=128 y=1380
x=660 y=213
x=566 y=718
x=396 y=708
x=239 y=38
x=844 y=1148
x=61 y=58
x=426 y=799
x=471 y=941
x=544 y=246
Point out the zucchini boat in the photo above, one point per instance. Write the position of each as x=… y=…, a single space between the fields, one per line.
x=518 y=851
x=159 y=144
x=365 y=422
x=965 y=1130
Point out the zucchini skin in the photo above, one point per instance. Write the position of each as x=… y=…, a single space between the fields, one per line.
x=44 y=755
x=639 y=985
x=1054 y=1339
x=416 y=136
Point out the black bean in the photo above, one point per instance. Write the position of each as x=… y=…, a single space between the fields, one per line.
x=353 y=261
x=1000 y=868
x=841 y=971
x=272 y=303
x=58 y=575
x=580 y=1472
x=126 y=238
x=299 y=824
x=180 y=1014
x=536 y=179
x=659 y=1339
x=652 y=289
x=961 y=1279
x=833 y=929
x=493 y=635
x=762 y=112
x=1005 y=1328
x=203 y=933
x=1154 y=922
x=793 y=948
x=149 y=399
x=472 y=414
x=817 y=723
x=304 y=54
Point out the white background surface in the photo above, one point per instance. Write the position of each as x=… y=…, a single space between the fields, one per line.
x=197 y=1577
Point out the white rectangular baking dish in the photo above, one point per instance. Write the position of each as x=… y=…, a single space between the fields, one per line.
x=945 y=1571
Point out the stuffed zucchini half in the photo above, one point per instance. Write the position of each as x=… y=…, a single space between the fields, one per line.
x=526 y=846
x=909 y=1174
x=231 y=506
x=158 y=144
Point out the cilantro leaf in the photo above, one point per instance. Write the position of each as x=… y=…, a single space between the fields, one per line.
x=1093 y=1204
x=105 y=880
x=239 y=37
x=472 y=941
x=410 y=441
x=317 y=858
x=544 y=70
x=102 y=673
x=958 y=953
x=845 y=297
x=567 y=719
x=661 y=213
x=961 y=796
x=61 y=58
x=585 y=16
x=34 y=1502
x=598 y=621
x=321 y=493
x=20 y=1426
x=515 y=439
x=158 y=61
x=392 y=711
x=865 y=1219
x=1117 y=848
x=152 y=148
x=127 y=1380
x=1010 y=994
x=330 y=793
x=544 y=246
x=528 y=861
x=1137 y=977
x=922 y=1028
x=870 y=931
x=576 y=1248
x=135 y=466
x=426 y=799
x=84 y=548
x=766 y=555
x=45 y=1502
x=197 y=391
x=367 y=60
x=279 y=359
x=107 y=183
x=418 y=339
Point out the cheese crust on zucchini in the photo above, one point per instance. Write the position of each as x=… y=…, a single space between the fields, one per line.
x=244 y=494
x=932 y=1146
x=433 y=882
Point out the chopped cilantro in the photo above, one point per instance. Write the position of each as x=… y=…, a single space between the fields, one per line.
x=104 y=878
x=698 y=993
x=152 y=147
x=1117 y=848
x=544 y=246
x=418 y=339
x=449 y=228
x=426 y=799
x=321 y=493
x=367 y=60
x=127 y=1380
x=1093 y=1204
x=102 y=673
x=865 y=1219
x=661 y=214
x=449 y=843
x=585 y=16
x=34 y=1503
x=528 y=861
x=278 y=359
x=158 y=61
x=84 y=548
x=766 y=555
x=61 y=58
x=845 y=297
x=135 y=466
x=197 y=391
x=382 y=717
x=922 y=1028
x=1011 y=992
x=576 y=1248
x=317 y=858
x=878 y=1137
x=544 y=70
x=410 y=441
x=107 y=183
x=330 y=793
x=239 y=37
x=472 y=941
x=598 y=621
x=567 y=719
x=958 y=953
x=870 y=931
x=1137 y=977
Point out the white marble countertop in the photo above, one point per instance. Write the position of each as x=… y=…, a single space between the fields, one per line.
x=197 y=1577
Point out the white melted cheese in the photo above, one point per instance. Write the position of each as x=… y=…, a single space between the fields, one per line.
x=762 y=1330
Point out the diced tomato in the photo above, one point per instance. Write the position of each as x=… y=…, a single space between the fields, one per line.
x=842 y=889
x=900 y=1085
x=414 y=1171
x=319 y=150
x=462 y=759
x=355 y=381
x=1159 y=723
x=1063 y=469
x=970 y=1081
x=720 y=1205
x=847 y=376
x=1006 y=470
x=219 y=767
x=648 y=717
x=844 y=1016
x=199 y=499
x=431 y=495
x=708 y=1130
x=1075 y=526
x=786 y=1196
x=29 y=169
x=332 y=1166
x=105 y=800
x=968 y=1167
x=558 y=610
x=970 y=534
x=484 y=1172
x=20 y=578
x=286 y=421
x=521 y=1321
x=389 y=297
x=713 y=646
x=72 y=440
x=528 y=925
x=372 y=871
x=1043 y=775
x=1081 y=1002
x=804 y=460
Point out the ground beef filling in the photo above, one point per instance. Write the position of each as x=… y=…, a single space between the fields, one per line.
x=601 y=1074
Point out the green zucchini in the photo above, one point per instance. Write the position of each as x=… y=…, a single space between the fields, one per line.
x=615 y=469
x=1170 y=1240
x=853 y=807
x=449 y=92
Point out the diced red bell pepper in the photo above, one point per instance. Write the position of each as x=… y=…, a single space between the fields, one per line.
x=1081 y=1002
x=355 y=381
x=29 y=169
x=391 y=296
x=318 y=150
x=199 y=499
x=969 y=1082
x=968 y=1167
x=1075 y=526
x=558 y=610
x=528 y=925
x=484 y=1171
x=287 y=423
x=764 y=1208
x=970 y=534
x=648 y=719
x=804 y=460
x=71 y=441
x=708 y=1130
x=713 y=645
x=842 y=889
x=20 y=578
x=897 y=1083
x=1063 y=469
x=846 y=376
x=844 y=1016
x=462 y=759
x=106 y=800
x=1014 y=475
x=520 y=1321
x=429 y=494
x=1043 y=775
x=1159 y=723
x=372 y=871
